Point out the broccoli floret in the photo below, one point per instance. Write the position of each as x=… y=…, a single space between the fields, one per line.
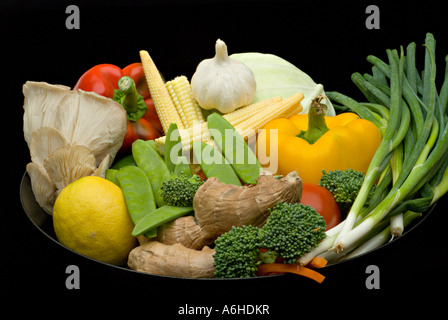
x=179 y=190
x=291 y=231
x=237 y=253
x=344 y=185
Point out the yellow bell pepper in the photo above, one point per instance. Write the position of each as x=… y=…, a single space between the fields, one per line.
x=325 y=143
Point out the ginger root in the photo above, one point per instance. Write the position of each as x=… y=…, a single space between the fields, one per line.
x=172 y=260
x=183 y=230
x=219 y=206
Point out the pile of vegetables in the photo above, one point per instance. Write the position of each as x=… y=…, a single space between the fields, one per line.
x=252 y=170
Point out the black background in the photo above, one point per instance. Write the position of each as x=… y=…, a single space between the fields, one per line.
x=329 y=41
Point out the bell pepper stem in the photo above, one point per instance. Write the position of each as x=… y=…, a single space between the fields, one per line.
x=316 y=121
x=130 y=99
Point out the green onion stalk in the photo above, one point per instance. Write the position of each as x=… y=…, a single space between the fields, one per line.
x=394 y=134
x=382 y=237
x=396 y=163
x=412 y=172
x=411 y=163
x=382 y=233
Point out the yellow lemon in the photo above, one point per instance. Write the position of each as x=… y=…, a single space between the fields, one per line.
x=90 y=217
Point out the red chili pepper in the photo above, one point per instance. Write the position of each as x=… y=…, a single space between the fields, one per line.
x=104 y=80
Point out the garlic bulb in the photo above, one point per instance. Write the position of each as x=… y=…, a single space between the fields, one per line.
x=223 y=83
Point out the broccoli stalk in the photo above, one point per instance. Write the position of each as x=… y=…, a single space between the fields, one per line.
x=179 y=190
x=344 y=185
x=290 y=231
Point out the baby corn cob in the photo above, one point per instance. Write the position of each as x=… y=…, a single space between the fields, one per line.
x=282 y=109
x=247 y=112
x=189 y=111
x=247 y=128
x=162 y=101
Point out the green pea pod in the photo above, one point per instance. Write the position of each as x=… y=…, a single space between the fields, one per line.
x=111 y=176
x=123 y=162
x=182 y=167
x=234 y=148
x=152 y=163
x=213 y=163
x=158 y=217
x=172 y=142
x=152 y=144
x=138 y=194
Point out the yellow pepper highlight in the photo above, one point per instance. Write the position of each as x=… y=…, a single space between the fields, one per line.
x=347 y=142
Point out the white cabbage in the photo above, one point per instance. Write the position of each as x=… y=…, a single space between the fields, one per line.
x=277 y=77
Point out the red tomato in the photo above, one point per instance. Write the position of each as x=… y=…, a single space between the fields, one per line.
x=323 y=202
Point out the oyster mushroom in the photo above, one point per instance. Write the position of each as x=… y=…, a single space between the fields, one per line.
x=40 y=105
x=43 y=188
x=103 y=166
x=44 y=141
x=70 y=134
x=69 y=163
x=91 y=120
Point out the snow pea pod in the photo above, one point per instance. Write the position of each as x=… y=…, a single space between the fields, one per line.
x=172 y=141
x=111 y=175
x=234 y=148
x=158 y=217
x=152 y=163
x=123 y=162
x=182 y=167
x=152 y=144
x=214 y=164
x=138 y=194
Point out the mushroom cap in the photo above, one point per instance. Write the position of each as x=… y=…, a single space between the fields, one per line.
x=40 y=105
x=69 y=163
x=44 y=141
x=91 y=120
x=102 y=168
x=43 y=187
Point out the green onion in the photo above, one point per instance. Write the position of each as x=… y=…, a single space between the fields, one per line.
x=393 y=136
x=413 y=174
x=410 y=166
x=443 y=97
x=354 y=106
x=382 y=237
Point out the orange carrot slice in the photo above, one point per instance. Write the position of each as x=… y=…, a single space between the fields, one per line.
x=317 y=262
x=279 y=268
